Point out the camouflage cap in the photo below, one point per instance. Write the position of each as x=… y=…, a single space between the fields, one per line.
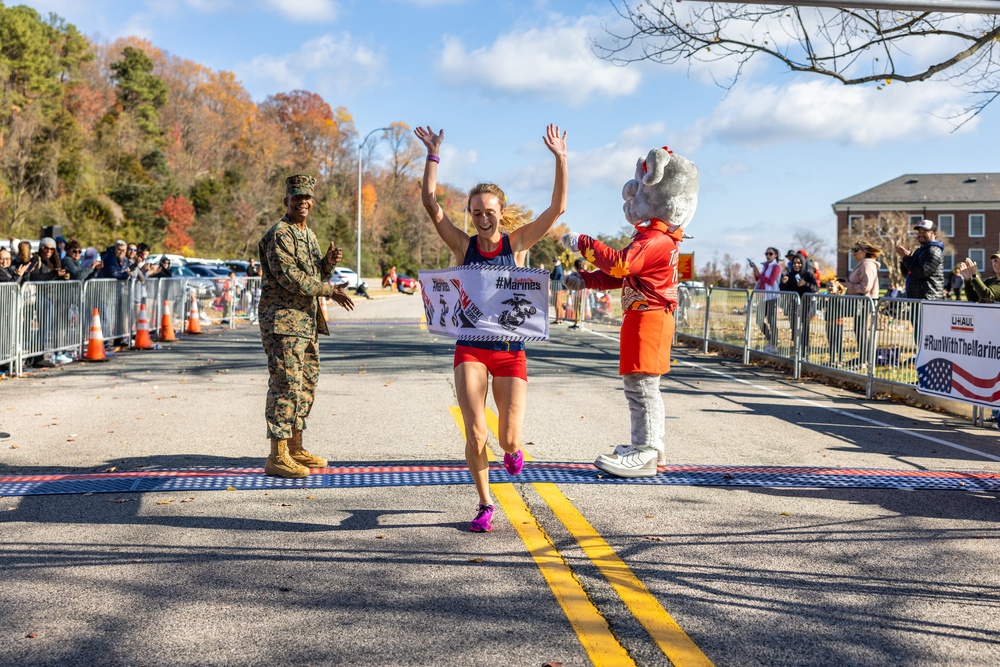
x=299 y=184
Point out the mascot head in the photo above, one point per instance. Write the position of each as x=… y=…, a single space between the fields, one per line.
x=665 y=187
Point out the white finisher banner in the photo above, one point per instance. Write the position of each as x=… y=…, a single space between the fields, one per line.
x=959 y=352
x=480 y=302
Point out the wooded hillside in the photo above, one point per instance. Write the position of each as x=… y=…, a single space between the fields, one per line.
x=124 y=140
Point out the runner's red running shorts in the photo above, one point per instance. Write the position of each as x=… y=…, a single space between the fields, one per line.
x=499 y=363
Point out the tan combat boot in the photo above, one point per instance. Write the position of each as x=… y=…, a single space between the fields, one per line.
x=281 y=464
x=300 y=455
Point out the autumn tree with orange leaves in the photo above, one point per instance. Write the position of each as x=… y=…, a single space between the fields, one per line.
x=123 y=140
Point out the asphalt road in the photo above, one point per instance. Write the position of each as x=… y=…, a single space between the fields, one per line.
x=596 y=573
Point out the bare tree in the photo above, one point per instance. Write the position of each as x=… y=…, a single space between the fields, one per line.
x=816 y=246
x=886 y=231
x=854 y=46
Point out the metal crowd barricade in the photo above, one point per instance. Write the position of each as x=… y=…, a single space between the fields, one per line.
x=897 y=324
x=692 y=309
x=113 y=300
x=578 y=302
x=245 y=297
x=173 y=291
x=842 y=335
x=10 y=332
x=726 y=317
x=50 y=318
x=774 y=326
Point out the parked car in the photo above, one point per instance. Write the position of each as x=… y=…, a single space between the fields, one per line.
x=344 y=276
x=218 y=273
x=238 y=266
x=204 y=288
x=405 y=283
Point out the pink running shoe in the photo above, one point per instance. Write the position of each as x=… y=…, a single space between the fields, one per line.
x=481 y=524
x=514 y=463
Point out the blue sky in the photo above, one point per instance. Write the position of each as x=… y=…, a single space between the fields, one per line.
x=774 y=152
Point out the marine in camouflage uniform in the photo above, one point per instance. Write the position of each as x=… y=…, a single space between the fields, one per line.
x=295 y=274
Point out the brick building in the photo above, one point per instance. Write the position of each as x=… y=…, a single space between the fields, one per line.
x=966 y=208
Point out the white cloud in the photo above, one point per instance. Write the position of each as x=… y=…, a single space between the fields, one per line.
x=607 y=166
x=814 y=110
x=459 y=163
x=734 y=168
x=303 y=10
x=555 y=62
x=333 y=64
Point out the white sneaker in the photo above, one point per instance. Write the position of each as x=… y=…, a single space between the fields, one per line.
x=661 y=457
x=631 y=462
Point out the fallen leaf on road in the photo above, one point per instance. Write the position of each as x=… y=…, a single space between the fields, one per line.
x=477 y=560
x=121 y=500
x=188 y=500
x=230 y=488
x=649 y=516
x=380 y=537
x=785 y=514
x=553 y=664
x=111 y=469
x=310 y=497
x=653 y=538
x=15 y=446
x=31 y=635
x=387 y=383
x=164 y=502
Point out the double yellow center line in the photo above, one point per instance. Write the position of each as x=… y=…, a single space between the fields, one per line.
x=591 y=627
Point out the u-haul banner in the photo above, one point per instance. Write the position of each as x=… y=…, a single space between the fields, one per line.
x=959 y=352
x=480 y=302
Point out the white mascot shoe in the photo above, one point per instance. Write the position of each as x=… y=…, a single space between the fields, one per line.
x=629 y=462
x=661 y=456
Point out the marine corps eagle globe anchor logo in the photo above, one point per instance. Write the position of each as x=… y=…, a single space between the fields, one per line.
x=517 y=314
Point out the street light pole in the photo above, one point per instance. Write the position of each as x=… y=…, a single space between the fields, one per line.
x=360 y=147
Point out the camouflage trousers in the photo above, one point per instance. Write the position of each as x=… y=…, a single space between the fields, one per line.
x=293 y=370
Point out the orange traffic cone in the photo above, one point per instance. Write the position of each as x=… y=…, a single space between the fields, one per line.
x=95 y=345
x=322 y=308
x=167 y=324
x=194 y=319
x=142 y=339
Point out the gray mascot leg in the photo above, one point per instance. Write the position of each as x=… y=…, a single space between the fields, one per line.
x=645 y=405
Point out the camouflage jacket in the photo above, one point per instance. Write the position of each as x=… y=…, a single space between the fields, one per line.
x=295 y=272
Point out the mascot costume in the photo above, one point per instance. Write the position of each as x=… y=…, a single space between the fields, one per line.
x=660 y=202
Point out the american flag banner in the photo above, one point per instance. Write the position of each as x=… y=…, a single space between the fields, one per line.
x=958 y=354
x=943 y=376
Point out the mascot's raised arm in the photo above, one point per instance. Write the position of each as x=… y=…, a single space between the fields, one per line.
x=660 y=202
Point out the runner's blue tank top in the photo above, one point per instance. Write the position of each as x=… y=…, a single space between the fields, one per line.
x=504 y=256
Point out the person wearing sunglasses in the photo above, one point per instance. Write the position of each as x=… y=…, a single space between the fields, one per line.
x=73 y=263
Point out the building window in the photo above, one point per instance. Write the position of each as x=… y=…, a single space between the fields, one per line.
x=946 y=225
x=850 y=261
x=854 y=223
x=948 y=263
x=978 y=255
x=915 y=220
x=977 y=224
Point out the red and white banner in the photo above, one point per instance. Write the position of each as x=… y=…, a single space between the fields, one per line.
x=480 y=302
x=958 y=356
